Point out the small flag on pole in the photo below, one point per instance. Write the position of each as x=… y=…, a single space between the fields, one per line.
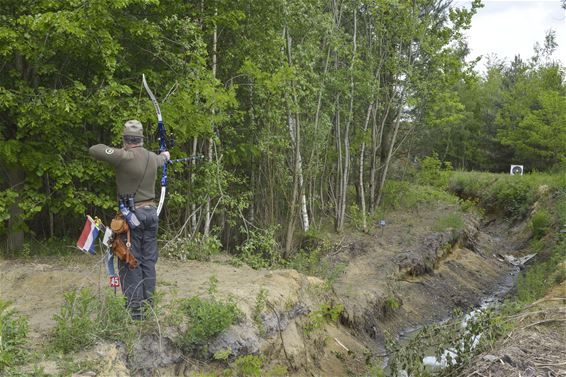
x=107 y=236
x=88 y=236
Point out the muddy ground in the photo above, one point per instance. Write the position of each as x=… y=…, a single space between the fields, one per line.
x=394 y=279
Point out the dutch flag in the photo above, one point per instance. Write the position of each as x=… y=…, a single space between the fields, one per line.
x=88 y=236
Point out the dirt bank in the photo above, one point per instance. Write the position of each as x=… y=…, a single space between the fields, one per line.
x=394 y=280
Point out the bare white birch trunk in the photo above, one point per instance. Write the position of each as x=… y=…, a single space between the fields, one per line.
x=208 y=215
x=361 y=170
x=346 y=173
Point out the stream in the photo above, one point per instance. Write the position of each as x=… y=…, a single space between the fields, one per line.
x=449 y=354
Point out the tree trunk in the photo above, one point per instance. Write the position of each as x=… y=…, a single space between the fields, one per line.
x=15 y=241
x=361 y=170
x=389 y=154
x=208 y=214
x=346 y=174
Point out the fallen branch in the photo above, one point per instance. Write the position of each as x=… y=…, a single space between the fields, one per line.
x=542 y=322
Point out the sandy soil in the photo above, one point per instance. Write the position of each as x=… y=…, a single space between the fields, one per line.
x=426 y=273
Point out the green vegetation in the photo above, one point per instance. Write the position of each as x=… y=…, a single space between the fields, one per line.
x=260 y=250
x=540 y=223
x=511 y=195
x=535 y=281
x=325 y=313
x=248 y=366
x=85 y=318
x=391 y=304
x=204 y=318
x=453 y=221
x=407 y=195
x=438 y=338
x=284 y=127
x=13 y=333
x=199 y=248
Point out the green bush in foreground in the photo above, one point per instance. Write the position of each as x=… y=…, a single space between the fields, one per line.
x=540 y=223
x=205 y=318
x=13 y=333
x=85 y=318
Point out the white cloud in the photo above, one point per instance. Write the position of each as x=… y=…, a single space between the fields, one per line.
x=510 y=27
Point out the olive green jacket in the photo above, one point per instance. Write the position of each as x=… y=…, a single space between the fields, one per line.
x=136 y=169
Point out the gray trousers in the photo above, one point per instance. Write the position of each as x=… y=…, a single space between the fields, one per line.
x=138 y=284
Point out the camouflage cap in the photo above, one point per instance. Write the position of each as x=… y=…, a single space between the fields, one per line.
x=133 y=128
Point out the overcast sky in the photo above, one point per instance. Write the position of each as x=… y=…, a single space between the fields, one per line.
x=510 y=27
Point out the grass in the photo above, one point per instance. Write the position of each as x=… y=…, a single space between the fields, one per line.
x=511 y=195
x=13 y=333
x=453 y=221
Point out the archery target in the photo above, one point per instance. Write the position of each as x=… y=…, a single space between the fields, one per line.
x=516 y=169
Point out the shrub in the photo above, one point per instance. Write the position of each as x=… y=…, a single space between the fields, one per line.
x=536 y=280
x=205 y=318
x=199 y=247
x=391 y=304
x=325 y=313
x=260 y=250
x=75 y=327
x=540 y=223
x=85 y=318
x=432 y=173
x=247 y=366
x=13 y=333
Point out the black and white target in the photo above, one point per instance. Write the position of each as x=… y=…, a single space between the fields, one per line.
x=516 y=169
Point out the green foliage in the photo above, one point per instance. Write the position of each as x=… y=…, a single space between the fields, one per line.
x=535 y=281
x=405 y=195
x=514 y=113
x=540 y=223
x=325 y=313
x=205 y=318
x=75 y=326
x=462 y=341
x=513 y=196
x=223 y=354
x=248 y=366
x=85 y=318
x=199 y=248
x=452 y=220
x=13 y=333
x=433 y=173
x=392 y=303
x=312 y=261
x=260 y=250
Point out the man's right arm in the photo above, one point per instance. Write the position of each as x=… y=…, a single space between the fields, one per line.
x=105 y=153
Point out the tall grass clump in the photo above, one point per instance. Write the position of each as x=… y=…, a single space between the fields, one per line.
x=85 y=318
x=406 y=195
x=13 y=333
x=535 y=281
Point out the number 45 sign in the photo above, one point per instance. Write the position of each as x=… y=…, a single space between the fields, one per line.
x=114 y=281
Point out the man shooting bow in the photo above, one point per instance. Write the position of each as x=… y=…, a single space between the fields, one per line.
x=136 y=170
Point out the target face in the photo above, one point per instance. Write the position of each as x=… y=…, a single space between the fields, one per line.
x=516 y=169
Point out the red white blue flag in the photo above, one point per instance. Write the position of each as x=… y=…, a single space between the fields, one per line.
x=88 y=236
